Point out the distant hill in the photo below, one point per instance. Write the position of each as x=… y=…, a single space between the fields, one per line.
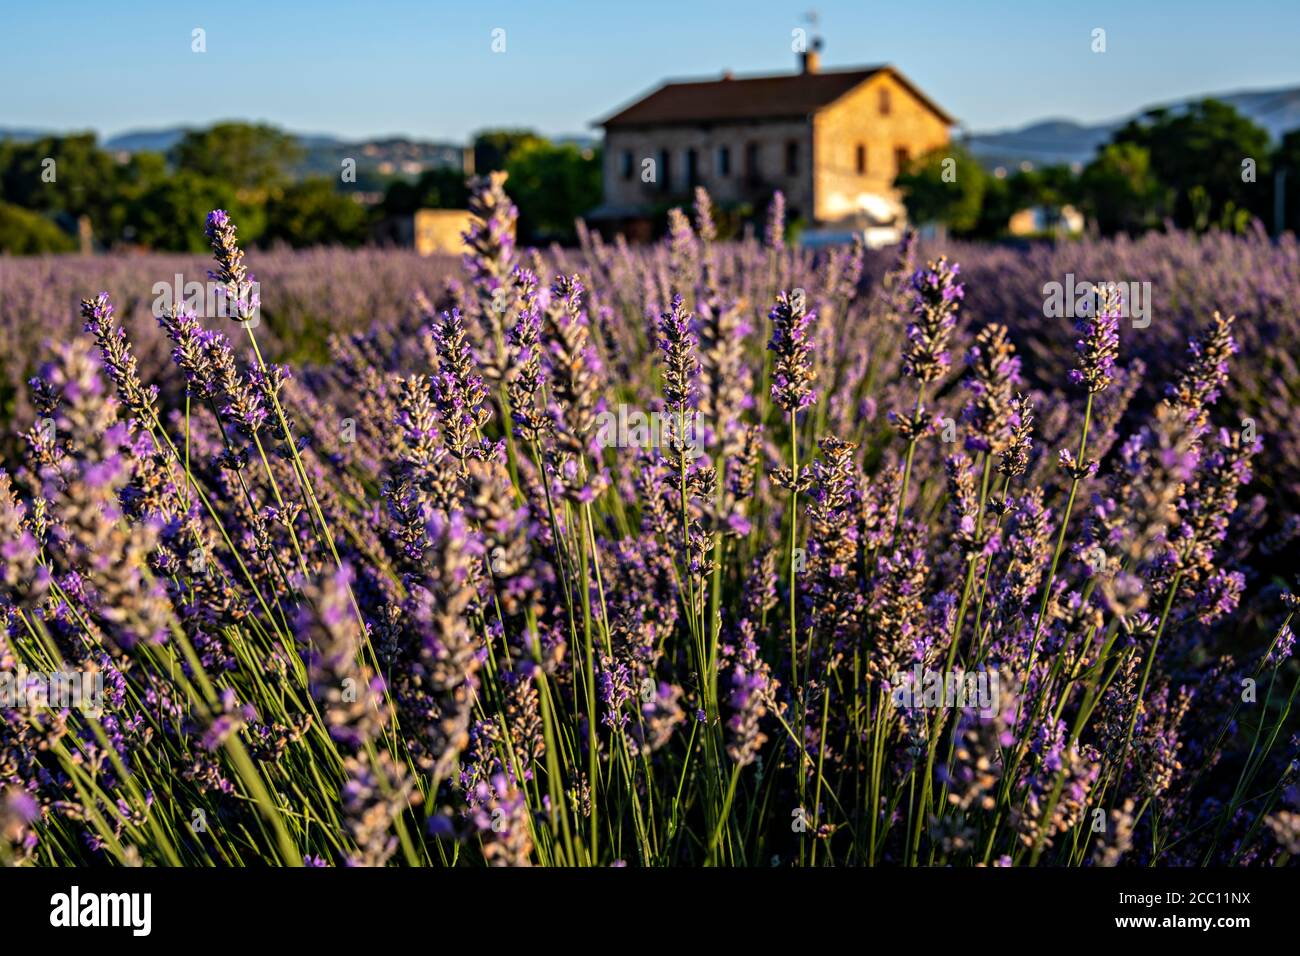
x=24 y=135
x=1065 y=141
x=395 y=155
x=152 y=140
x=1044 y=143
x=381 y=156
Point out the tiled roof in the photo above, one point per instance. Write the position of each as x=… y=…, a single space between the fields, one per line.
x=751 y=98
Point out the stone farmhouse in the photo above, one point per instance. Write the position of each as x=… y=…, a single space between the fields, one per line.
x=831 y=140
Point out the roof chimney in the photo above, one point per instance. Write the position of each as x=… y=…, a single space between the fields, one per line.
x=810 y=60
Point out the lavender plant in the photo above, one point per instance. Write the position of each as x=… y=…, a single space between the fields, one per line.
x=410 y=605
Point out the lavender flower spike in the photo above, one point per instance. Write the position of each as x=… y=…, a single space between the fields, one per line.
x=1100 y=343
x=775 y=232
x=240 y=288
x=792 y=342
x=935 y=296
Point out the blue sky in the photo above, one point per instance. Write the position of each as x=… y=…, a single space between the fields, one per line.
x=425 y=68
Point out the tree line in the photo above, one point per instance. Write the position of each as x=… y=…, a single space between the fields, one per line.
x=1203 y=167
x=49 y=187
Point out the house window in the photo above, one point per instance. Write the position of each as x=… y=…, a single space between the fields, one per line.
x=862 y=159
x=900 y=158
x=751 y=161
x=665 y=170
x=724 y=160
x=884 y=101
x=791 y=157
x=627 y=164
x=692 y=168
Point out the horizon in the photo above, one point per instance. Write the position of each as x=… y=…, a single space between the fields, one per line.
x=337 y=75
x=594 y=131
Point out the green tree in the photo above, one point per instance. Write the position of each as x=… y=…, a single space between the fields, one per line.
x=1198 y=154
x=1049 y=186
x=944 y=186
x=313 y=213
x=1120 y=192
x=140 y=174
x=23 y=232
x=170 y=213
x=552 y=186
x=254 y=159
x=494 y=148
x=441 y=188
x=998 y=203
x=64 y=174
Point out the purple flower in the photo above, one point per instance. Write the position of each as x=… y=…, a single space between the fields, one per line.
x=791 y=342
x=1099 y=345
x=1283 y=647
x=936 y=294
x=775 y=230
x=750 y=693
x=458 y=390
x=239 y=287
x=681 y=363
x=994 y=374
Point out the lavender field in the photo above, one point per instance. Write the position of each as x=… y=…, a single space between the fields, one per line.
x=700 y=553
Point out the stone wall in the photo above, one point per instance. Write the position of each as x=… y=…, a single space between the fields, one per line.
x=770 y=140
x=856 y=120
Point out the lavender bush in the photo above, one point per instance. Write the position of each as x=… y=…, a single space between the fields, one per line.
x=666 y=556
x=305 y=294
